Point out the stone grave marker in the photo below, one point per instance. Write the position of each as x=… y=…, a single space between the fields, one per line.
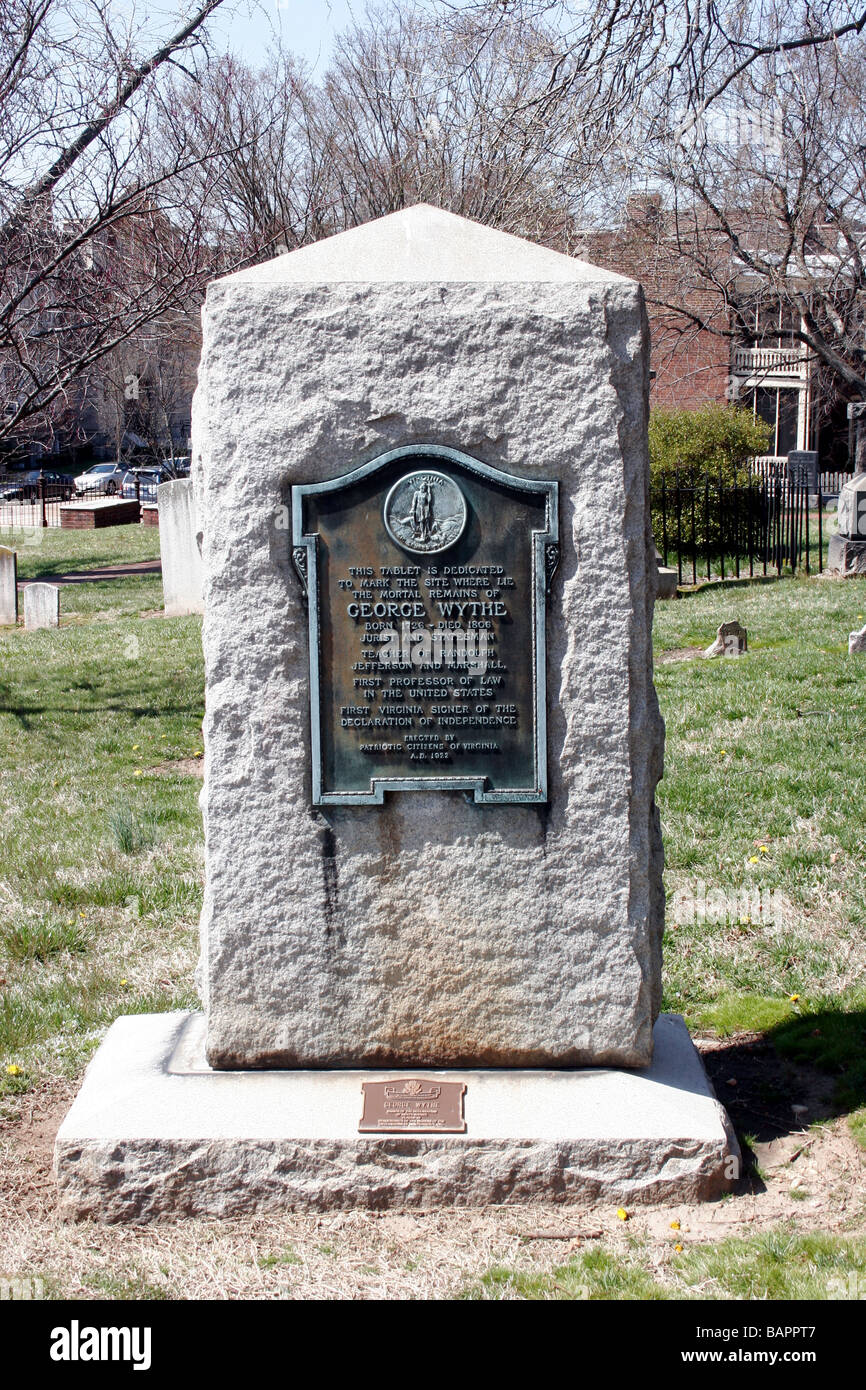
x=179 y=548
x=8 y=587
x=41 y=606
x=431 y=939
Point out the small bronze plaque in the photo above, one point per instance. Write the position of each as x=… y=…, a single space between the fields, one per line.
x=412 y=1106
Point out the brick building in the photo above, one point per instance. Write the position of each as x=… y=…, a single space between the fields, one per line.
x=727 y=338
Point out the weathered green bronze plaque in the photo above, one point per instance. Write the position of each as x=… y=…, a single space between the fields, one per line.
x=426 y=575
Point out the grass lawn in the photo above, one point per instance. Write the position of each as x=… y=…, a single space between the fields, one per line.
x=762 y=813
x=49 y=552
x=101 y=878
x=100 y=882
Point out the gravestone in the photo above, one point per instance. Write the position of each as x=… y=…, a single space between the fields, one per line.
x=179 y=548
x=8 y=587
x=803 y=469
x=431 y=937
x=847 y=549
x=41 y=606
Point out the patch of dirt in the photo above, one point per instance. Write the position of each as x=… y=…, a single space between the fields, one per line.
x=678 y=654
x=185 y=767
x=27 y=1149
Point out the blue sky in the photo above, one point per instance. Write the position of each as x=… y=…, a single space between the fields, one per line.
x=307 y=27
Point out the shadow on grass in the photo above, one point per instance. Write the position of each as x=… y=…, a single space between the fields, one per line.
x=833 y=1043
x=802 y=1070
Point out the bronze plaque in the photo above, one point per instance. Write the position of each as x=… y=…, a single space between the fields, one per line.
x=426 y=575
x=412 y=1106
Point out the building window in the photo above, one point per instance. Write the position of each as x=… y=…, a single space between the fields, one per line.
x=779 y=407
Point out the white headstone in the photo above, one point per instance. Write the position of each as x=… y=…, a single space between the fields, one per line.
x=8 y=587
x=179 y=547
x=41 y=606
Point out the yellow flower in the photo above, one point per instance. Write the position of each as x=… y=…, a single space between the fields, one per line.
x=622 y=1214
x=197 y=753
x=675 y=1225
x=723 y=752
x=124 y=982
x=794 y=998
x=12 y=1070
x=753 y=859
x=679 y=1249
x=762 y=849
x=139 y=772
x=135 y=747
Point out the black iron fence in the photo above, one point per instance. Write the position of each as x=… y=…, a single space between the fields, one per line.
x=28 y=502
x=755 y=522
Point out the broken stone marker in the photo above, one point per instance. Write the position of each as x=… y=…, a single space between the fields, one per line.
x=730 y=641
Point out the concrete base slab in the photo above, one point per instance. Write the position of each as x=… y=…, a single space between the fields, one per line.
x=154 y=1133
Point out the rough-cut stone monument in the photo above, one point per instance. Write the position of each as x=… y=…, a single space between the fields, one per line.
x=8 y=587
x=179 y=548
x=41 y=606
x=433 y=742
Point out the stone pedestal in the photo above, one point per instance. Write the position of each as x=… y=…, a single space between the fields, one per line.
x=156 y=1133
x=846 y=556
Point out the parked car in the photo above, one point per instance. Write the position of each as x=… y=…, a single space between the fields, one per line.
x=58 y=487
x=148 y=480
x=105 y=479
x=18 y=490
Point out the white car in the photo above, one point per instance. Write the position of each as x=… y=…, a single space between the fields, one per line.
x=103 y=479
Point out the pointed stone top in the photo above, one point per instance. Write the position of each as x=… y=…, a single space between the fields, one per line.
x=423 y=243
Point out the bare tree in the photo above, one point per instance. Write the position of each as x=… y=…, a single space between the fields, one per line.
x=740 y=127
x=98 y=235
x=408 y=111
